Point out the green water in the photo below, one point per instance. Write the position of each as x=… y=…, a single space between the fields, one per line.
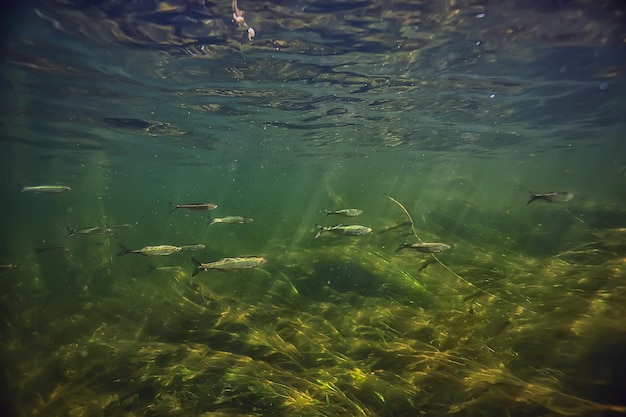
x=454 y=114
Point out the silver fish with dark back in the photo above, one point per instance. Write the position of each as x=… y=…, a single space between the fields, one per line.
x=53 y=249
x=193 y=206
x=166 y=268
x=159 y=250
x=229 y=264
x=352 y=212
x=8 y=267
x=424 y=247
x=231 y=220
x=552 y=197
x=93 y=231
x=51 y=189
x=343 y=229
x=192 y=247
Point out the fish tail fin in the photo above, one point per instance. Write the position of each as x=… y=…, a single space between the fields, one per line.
x=319 y=228
x=70 y=231
x=124 y=250
x=197 y=264
x=533 y=197
x=400 y=247
x=326 y=212
x=211 y=221
x=20 y=186
x=172 y=208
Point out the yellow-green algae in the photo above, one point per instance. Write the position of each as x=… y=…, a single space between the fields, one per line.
x=342 y=328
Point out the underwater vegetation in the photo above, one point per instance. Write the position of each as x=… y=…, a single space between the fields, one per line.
x=344 y=327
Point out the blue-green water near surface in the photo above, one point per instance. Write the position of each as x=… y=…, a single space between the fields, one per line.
x=451 y=110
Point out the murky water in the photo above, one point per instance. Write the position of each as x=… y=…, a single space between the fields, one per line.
x=436 y=119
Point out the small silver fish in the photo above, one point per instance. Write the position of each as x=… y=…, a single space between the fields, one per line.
x=119 y=226
x=160 y=250
x=424 y=247
x=8 y=267
x=343 y=229
x=192 y=247
x=229 y=264
x=193 y=206
x=166 y=268
x=552 y=197
x=352 y=212
x=231 y=220
x=90 y=231
x=44 y=188
x=54 y=249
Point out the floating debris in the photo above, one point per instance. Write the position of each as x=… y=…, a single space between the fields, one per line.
x=239 y=19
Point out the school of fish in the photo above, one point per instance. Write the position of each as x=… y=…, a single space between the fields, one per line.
x=237 y=263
